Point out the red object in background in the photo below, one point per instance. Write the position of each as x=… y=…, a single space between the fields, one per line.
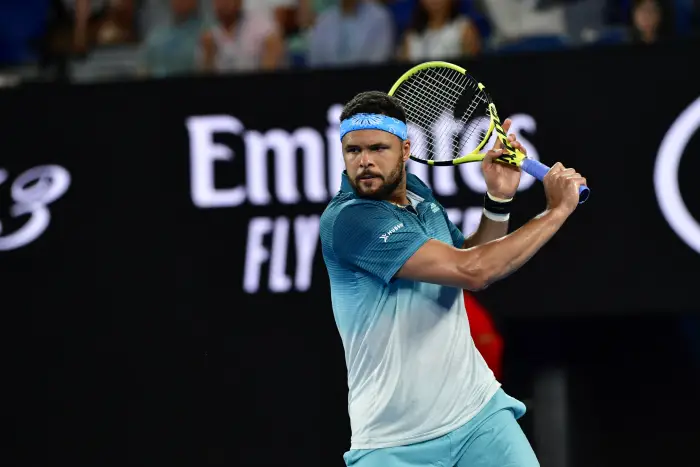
x=487 y=339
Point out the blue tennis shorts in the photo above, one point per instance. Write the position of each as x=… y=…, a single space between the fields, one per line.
x=491 y=439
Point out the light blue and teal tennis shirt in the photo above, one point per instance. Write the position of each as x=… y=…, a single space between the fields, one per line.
x=413 y=371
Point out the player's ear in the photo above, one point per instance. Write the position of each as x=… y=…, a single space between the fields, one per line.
x=406 y=146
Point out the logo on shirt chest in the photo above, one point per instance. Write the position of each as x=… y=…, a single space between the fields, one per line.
x=386 y=236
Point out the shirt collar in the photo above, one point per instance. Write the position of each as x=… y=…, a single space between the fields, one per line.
x=413 y=184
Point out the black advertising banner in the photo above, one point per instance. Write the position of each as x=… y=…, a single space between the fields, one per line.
x=199 y=187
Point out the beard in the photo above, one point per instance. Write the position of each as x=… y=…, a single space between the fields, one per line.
x=389 y=184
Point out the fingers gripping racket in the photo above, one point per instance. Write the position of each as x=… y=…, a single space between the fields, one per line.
x=451 y=117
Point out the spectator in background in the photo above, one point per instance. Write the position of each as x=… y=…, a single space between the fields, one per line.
x=514 y=20
x=241 y=41
x=352 y=33
x=79 y=22
x=72 y=27
x=119 y=23
x=439 y=31
x=283 y=12
x=78 y=25
x=651 y=21
x=308 y=10
x=304 y=18
x=173 y=49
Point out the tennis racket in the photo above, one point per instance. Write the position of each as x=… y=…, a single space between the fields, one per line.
x=451 y=117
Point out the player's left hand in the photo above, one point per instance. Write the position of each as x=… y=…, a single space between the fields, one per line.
x=502 y=180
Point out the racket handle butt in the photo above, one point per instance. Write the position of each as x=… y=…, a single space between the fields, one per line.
x=583 y=192
x=538 y=170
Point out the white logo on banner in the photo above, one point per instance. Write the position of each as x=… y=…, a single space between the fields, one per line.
x=668 y=162
x=32 y=191
x=305 y=167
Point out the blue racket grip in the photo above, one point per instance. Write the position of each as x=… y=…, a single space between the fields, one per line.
x=539 y=170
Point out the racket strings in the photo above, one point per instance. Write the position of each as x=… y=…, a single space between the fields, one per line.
x=422 y=111
x=430 y=98
x=418 y=103
x=426 y=100
x=427 y=93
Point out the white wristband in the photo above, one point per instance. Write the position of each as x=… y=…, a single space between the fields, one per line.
x=496 y=217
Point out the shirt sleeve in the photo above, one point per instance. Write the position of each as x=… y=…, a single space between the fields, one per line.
x=372 y=238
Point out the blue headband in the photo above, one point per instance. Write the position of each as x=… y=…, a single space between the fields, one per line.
x=374 y=122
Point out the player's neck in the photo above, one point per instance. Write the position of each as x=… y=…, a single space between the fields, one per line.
x=399 y=195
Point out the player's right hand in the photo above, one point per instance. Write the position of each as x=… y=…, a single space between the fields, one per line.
x=561 y=186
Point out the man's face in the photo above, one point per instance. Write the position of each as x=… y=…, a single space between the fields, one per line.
x=374 y=161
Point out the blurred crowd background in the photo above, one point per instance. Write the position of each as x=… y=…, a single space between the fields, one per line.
x=119 y=39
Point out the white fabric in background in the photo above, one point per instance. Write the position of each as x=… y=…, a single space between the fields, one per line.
x=514 y=19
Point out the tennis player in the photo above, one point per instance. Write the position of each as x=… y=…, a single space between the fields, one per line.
x=420 y=394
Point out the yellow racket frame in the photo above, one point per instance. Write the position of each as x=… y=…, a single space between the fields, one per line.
x=510 y=155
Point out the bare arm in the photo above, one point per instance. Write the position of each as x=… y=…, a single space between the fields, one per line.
x=471 y=40
x=404 y=49
x=82 y=15
x=273 y=51
x=504 y=180
x=305 y=14
x=208 y=47
x=478 y=267
x=488 y=230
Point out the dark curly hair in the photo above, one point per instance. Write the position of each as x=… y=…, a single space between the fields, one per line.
x=374 y=102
